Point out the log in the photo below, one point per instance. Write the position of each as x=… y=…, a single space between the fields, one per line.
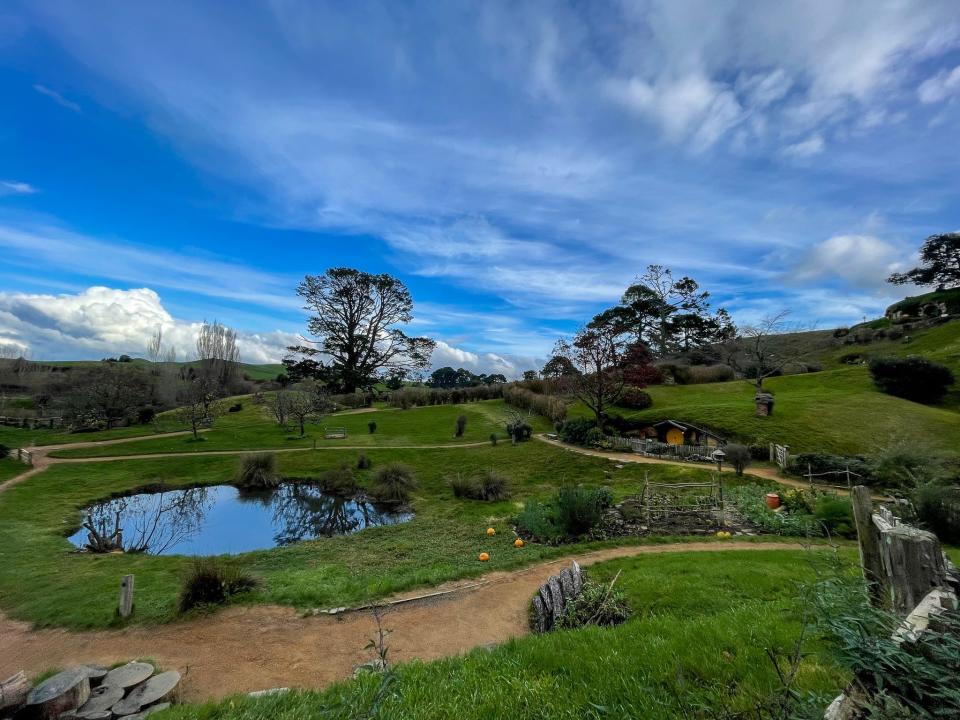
x=14 y=691
x=153 y=690
x=556 y=595
x=913 y=565
x=126 y=676
x=64 y=691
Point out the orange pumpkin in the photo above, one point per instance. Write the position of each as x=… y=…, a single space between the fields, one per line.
x=491 y=531
x=518 y=543
x=484 y=557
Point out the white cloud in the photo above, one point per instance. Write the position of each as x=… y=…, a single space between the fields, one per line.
x=939 y=87
x=10 y=187
x=813 y=145
x=863 y=261
x=57 y=98
x=102 y=321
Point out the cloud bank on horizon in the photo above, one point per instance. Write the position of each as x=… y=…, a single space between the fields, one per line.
x=516 y=165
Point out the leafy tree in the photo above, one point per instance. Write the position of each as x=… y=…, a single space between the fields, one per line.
x=529 y=375
x=355 y=323
x=109 y=394
x=638 y=368
x=394 y=380
x=307 y=404
x=940 y=263
x=445 y=377
x=494 y=379
x=199 y=404
x=558 y=367
x=596 y=352
x=666 y=313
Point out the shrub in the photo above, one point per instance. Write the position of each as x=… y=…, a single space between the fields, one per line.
x=392 y=483
x=819 y=463
x=211 y=581
x=463 y=486
x=700 y=374
x=493 y=438
x=938 y=510
x=339 y=480
x=258 y=470
x=4 y=451
x=519 y=431
x=539 y=520
x=750 y=500
x=904 y=464
x=489 y=486
x=913 y=378
x=738 y=456
x=597 y=604
x=581 y=508
x=594 y=437
x=836 y=515
x=549 y=406
x=575 y=430
x=372 y=426
x=363 y=462
x=635 y=399
x=145 y=415
x=236 y=407
x=461 y=425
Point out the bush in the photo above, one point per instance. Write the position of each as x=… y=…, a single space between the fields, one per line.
x=258 y=470
x=339 y=480
x=493 y=438
x=236 y=407
x=906 y=465
x=938 y=510
x=461 y=425
x=409 y=397
x=392 y=483
x=211 y=581
x=913 y=378
x=819 y=463
x=363 y=462
x=700 y=374
x=519 y=431
x=594 y=437
x=573 y=511
x=635 y=399
x=836 y=515
x=372 y=426
x=738 y=456
x=145 y=415
x=575 y=430
x=489 y=486
x=750 y=500
x=549 y=406
x=4 y=451
x=597 y=604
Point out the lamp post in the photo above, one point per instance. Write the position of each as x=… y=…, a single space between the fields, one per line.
x=719 y=455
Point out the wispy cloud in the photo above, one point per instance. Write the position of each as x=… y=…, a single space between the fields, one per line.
x=57 y=98
x=9 y=187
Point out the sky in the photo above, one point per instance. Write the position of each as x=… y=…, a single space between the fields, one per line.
x=517 y=165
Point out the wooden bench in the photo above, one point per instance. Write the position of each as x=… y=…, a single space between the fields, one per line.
x=335 y=433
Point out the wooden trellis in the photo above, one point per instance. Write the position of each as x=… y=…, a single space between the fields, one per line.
x=664 y=502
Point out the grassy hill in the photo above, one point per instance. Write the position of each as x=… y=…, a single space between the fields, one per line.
x=267 y=371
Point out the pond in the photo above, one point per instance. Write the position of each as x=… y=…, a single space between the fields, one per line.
x=220 y=519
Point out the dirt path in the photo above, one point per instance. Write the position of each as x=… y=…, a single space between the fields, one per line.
x=242 y=649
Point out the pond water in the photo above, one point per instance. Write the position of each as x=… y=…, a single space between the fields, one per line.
x=220 y=519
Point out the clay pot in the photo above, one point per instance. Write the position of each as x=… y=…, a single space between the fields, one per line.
x=773 y=501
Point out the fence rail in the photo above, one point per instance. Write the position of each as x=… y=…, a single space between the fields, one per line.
x=24 y=456
x=31 y=423
x=654 y=448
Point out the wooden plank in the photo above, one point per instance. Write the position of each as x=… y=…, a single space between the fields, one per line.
x=126 y=596
x=868 y=537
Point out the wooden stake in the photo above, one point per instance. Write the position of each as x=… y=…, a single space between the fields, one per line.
x=868 y=537
x=126 y=596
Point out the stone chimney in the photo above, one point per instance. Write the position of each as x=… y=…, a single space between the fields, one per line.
x=764 y=404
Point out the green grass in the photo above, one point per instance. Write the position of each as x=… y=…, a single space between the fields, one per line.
x=10 y=467
x=44 y=581
x=252 y=428
x=699 y=636
x=837 y=411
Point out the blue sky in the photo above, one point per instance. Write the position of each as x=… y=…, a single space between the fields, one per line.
x=516 y=164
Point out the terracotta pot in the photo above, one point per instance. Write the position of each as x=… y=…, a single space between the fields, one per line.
x=773 y=501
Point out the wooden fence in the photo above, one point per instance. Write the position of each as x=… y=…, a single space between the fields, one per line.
x=31 y=423
x=23 y=455
x=666 y=451
x=906 y=572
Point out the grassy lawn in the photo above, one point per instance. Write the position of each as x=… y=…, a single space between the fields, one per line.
x=45 y=581
x=698 y=638
x=10 y=467
x=836 y=411
x=252 y=428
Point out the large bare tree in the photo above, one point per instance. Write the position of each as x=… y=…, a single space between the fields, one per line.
x=765 y=348
x=218 y=352
x=596 y=353
x=355 y=324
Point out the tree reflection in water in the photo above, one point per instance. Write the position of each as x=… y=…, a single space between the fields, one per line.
x=302 y=511
x=150 y=523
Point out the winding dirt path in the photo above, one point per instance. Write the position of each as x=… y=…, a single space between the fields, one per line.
x=243 y=649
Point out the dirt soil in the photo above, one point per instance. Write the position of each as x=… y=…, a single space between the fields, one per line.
x=242 y=649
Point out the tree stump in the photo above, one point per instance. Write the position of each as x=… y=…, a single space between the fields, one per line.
x=62 y=692
x=913 y=565
x=14 y=691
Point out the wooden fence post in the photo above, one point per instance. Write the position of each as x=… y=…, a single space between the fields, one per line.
x=868 y=537
x=126 y=596
x=913 y=565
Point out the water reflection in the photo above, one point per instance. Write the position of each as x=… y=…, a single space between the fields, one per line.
x=220 y=519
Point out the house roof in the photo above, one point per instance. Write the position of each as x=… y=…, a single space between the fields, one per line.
x=687 y=426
